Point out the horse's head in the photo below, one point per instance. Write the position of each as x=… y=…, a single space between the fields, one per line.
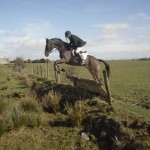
x=57 y=44
x=49 y=47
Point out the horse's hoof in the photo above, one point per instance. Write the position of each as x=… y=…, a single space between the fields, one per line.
x=63 y=70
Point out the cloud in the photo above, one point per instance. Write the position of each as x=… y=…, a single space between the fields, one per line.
x=120 y=50
x=26 y=2
x=115 y=26
x=113 y=41
x=110 y=32
x=4 y=32
x=112 y=28
x=32 y=48
x=140 y=15
x=120 y=41
x=66 y=12
x=27 y=42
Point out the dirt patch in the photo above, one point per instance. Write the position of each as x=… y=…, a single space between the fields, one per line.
x=118 y=135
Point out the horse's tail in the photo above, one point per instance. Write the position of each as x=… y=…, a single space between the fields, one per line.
x=107 y=67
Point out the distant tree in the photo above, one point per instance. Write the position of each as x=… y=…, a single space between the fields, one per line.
x=42 y=60
x=29 y=61
x=35 y=61
x=19 y=62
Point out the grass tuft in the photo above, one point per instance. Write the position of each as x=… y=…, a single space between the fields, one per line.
x=51 y=102
x=31 y=120
x=75 y=113
x=4 y=104
x=31 y=106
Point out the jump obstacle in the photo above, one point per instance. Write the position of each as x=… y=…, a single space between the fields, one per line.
x=92 y=86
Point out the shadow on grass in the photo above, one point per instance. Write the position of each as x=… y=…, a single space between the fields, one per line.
x=68 y=93
x=61 y=123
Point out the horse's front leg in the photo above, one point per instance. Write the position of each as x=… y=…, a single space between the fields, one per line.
x=60 y=69
x=57 y=69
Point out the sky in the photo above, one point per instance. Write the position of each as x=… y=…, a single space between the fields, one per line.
x=113 y=29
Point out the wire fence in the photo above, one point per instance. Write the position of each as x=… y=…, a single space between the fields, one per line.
x=40 y=71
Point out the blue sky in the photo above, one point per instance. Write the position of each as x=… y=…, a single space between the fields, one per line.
x=113 y=29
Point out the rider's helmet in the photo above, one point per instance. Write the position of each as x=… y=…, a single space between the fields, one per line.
x=67 y=34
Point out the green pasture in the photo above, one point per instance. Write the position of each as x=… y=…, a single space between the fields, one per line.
x=129 y=82
x=29 y=123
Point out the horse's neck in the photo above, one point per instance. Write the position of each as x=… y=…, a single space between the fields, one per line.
x=62 y=51
x=65 y=54
x=63 y=47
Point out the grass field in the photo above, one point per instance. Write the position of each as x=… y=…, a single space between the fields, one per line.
x=38 y=114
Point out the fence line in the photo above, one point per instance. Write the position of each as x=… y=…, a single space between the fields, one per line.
x=39 y=71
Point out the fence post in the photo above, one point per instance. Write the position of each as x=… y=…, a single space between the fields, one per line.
x=33 y=70
x=37 y=71
x=47 y=70
x=41 y=71
x=107 y=86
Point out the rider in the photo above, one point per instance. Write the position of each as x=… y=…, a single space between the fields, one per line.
x=76 y=43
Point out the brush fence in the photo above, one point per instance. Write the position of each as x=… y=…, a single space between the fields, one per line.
x=92 y=86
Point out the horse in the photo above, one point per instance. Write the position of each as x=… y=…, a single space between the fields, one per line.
x=65 y=54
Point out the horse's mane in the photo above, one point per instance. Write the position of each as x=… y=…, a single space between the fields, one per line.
x=57 y=39
x=62 y=43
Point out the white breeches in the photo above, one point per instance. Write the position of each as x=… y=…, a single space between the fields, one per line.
x=83 y=55
x=78 y=49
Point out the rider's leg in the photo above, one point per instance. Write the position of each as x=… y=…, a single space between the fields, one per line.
x=77 y=51
x=73 y=52
x=83 y=56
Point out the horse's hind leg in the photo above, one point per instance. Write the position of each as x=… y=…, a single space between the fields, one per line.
x=95 y=75
x=99 y=79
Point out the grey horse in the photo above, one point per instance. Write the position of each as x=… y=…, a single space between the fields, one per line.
x=91 y=63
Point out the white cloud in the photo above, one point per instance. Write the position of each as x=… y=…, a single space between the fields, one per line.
x=28 y=43
x=115 y=41
x=140 y=15
x=120 y=41
x=4 y=32
x=26 y=2
x=32 y=49
x=110 y=32
x=66 y=12
x=120 y=50
x=114 y=27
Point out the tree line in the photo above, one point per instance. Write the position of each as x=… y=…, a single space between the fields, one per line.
x=20 y=62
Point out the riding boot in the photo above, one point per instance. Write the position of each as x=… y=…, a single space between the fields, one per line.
x=73 y=53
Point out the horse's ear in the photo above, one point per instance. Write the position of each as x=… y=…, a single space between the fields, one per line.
x=46 y=40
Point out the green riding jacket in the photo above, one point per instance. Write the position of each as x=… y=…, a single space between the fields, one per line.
x=75 y=41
